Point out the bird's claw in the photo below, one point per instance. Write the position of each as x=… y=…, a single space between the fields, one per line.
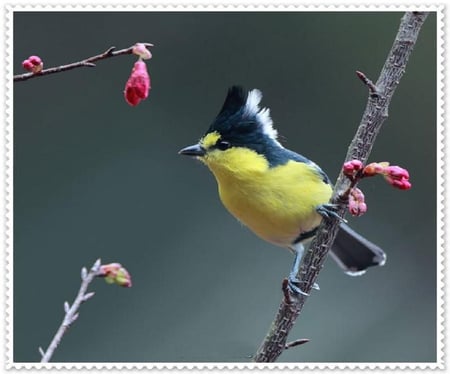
x=329 y=211
x=294 y=286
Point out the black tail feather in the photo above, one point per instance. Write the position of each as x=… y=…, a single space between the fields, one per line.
x=354 y=253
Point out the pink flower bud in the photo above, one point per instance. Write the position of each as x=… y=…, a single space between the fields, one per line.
x=397 y=177
x=33 y=64
x=141 y=50
x=401 y=184
x=35 y=60
x=397 y=172
x=138 y=84
x=351 y=167
x=27 y=65
x=356 y=202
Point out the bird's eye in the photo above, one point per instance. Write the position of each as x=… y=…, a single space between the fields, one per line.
x=223 y=145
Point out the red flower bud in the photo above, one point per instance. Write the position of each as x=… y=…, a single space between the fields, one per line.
x=138 y=84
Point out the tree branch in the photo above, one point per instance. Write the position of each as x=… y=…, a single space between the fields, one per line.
x=376 y=112
x=113 y=273
x=71 y=312
x=88 y=62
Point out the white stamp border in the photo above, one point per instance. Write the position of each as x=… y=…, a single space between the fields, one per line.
x=442 y=192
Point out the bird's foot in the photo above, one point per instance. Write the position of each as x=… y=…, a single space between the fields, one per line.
x=293 y=282
x=329 y=211
x=294 y=285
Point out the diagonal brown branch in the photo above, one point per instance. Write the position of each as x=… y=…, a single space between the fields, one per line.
x=88 y=62
x=376 y=112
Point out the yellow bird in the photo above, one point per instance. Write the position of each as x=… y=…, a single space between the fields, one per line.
x=278 y=194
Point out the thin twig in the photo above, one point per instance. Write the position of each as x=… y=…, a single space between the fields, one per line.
x=370 y=85
x=88 y=62
x=71 y=312
x=296 y=343
x=374 y=115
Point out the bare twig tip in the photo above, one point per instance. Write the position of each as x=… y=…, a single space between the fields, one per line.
x=88 y=296
x=41 y=351
x=96 y=266
x=370 y=85
x=66 y=307
x=296 y=343
x=84 y=273
x=361 y=75
x=74 y=318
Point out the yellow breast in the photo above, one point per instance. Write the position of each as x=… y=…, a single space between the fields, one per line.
x=277 y=203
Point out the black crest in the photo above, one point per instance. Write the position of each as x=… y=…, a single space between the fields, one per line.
x=234 y=102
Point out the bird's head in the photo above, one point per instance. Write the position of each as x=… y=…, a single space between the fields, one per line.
x=241 y=133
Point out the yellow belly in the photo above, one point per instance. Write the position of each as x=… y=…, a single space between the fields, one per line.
x=277 y=204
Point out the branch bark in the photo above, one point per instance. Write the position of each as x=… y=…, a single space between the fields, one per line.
x=88 y=62
x=376 y=112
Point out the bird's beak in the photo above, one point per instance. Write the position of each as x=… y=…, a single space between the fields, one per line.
x=193 y=150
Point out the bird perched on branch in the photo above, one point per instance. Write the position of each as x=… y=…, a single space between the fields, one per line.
x=278 y=194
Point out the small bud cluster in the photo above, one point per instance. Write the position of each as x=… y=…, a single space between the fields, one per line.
x=33 y=64
x=356 y=202
x=138 y=85
x=115 y=273
x=355 y=170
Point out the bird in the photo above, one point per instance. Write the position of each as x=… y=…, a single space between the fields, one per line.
x=277 y=193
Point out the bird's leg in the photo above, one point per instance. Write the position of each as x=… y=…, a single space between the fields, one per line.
x=328 y=211
x=293 y=281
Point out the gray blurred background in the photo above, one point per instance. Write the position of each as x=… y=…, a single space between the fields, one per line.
x=94 y=177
